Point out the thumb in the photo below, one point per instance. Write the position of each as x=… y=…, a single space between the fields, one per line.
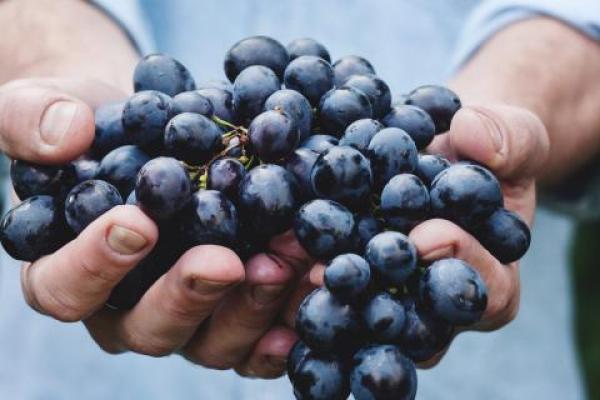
x=50 y=121
x=509 y=140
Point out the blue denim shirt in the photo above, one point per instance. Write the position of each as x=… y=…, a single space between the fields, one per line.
x=409 y=43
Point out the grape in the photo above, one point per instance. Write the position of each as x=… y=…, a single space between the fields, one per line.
x=192 y=102
x=87 y=201
x=465 y=194
x=85 y=168
x=320 y=378
x=163 y=188
x=297 y=354
x=222 y=102
x=376 y=90
x=307 y=47
x=295 y=105
x=347 y=276
x=255 y=50
x=384 y=318
x=210 y=219
x=327 y=325
x=109 y=133
x=339 y=108
x=312 y=76
x=392 y=257
x=439 y=102
x=382 y=372
x=404 y=202
x=505 y=235
x=299 y=164
x=359 y=134
x=33 y=229
x=319 y=143
x=347 y=66
x=145 y=116
x=391 y=152
x=225 y=175
x=268 y=199
x=233 y=148
x=366 y=227
x=192 y=138
x=273 y=135
x=120 y=167
x=342 y=174
x=162 y=73
x=251 y=89
x=453 y=291
x=215 y=84
x=30 y=179
x=324 y=228
x=429 y=166
x=414 y=121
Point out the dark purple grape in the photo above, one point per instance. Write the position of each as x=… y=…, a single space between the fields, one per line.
x=324 y=228
x=163 y=188
x=162 y=73
x=89 y=200
x=384 y=318
x=268 y=199
x=295 y=105
x=327 y=325
x=251 y=89
x=439 y=102
x=347 y=276
x=85 y=168
x=307 y=47
x=465 y=194
x=312 y=76
x=320 y=378
x=255 y=50
x=342 y=174
x=109 y=133
x=33 y=229
x=120 y=167
x=453 y=291
x=404 y=202
x=347 y=66
x=392 y=257
x=391 y=152
x=192 y=102
x=376 y=90
x=30 y=179
x=216 y=84
x=429 y=166
x=359 y=134
x=295 y=357
x=414 y=121
x=505 y=235
x=222 y=101
x=319 y=143
x=367 y=226
x=300 y=163
x=339 y=108
x=382 y=372
x=145 y=116
x=273 y=135
x=192 y=138
x=225 y=175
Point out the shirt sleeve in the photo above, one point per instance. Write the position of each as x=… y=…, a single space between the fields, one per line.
x=578 y=196
x=130 y=17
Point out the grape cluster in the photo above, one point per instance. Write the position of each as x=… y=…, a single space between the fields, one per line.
x=292 y=141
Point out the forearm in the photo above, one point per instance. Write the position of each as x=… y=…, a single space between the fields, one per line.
x=544 y=66
x=63 y=38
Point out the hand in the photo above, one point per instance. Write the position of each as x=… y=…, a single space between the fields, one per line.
x=52 y=121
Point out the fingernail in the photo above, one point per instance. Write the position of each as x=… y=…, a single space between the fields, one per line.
x=442 y=252
x=276 y=362
x=492 y=128
x=56 y=121
x=207 y=287
x=265 y=294
x=125 y=241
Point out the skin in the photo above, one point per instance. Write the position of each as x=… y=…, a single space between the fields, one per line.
x=516 y=105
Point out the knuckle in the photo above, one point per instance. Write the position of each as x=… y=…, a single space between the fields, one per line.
x=152 y=346
x=59 y=307
x=208 y=359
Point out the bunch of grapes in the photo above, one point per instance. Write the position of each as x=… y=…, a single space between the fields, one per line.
x=292 y=142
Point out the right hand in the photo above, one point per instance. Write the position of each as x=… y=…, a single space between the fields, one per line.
x=51 y=121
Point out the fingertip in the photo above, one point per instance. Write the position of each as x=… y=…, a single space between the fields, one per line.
x=316 y=274
x=265 y=269
x=211 y=263
x=287 y=247
x=430 y=244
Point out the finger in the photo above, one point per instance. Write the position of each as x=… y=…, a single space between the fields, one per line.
x=304 y=287
x=49 y=121
x=78 y=278
x=502 y=281
x=269 y=357
x=172 y=309
x=244 y=317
